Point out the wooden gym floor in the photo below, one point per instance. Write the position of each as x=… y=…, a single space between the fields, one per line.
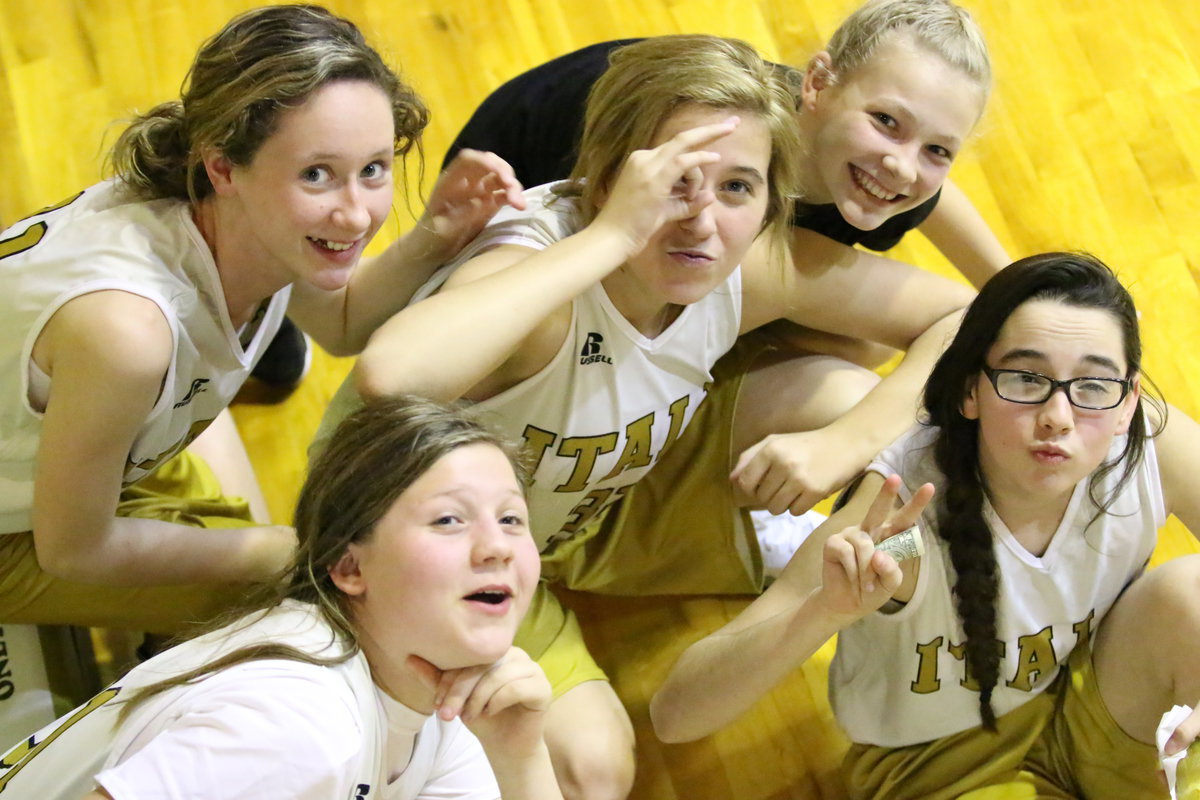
x=1091 y=141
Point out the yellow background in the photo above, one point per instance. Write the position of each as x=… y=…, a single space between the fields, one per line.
x=1091 y=141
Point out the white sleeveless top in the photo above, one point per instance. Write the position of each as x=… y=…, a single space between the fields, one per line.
x=898 y=678
x=103 y=240
x=598 y=416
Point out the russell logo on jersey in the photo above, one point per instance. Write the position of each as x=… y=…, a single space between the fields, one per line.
x=590 y=354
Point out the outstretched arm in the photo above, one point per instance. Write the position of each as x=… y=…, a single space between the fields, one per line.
x=838 y=289
x=471 y=190
x=719 y=677
x=957 y=229
x=1178 y=448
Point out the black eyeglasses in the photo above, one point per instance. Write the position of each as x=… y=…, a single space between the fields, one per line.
x=1020 y=386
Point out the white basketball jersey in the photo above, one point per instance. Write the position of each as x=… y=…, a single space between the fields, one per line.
x=900 y=678
x=598 y=416
x=102 y=240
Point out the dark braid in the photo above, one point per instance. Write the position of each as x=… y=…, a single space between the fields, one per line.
x=977 y=583
x=1072 y=278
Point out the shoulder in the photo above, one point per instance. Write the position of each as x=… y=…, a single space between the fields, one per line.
x=911 y=457
x=271 y=728
x=115 y=331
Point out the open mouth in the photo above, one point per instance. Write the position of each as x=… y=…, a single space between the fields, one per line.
x=491 y=597
x=329 y=244
x=863 y=180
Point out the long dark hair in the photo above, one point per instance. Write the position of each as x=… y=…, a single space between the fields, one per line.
x=1076 y=279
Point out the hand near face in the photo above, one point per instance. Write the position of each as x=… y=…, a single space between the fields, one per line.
x=857 y=579
x=662 y=184
x=504 y=703
x=467 y=194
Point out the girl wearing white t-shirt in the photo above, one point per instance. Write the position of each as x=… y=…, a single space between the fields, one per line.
x=382 y=665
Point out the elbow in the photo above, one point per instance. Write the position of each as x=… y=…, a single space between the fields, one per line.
x=370 y=382
x=669 y=726
x=63 y=561
x=341 y=348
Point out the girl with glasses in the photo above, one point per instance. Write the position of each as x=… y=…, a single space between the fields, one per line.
x=1027 y=644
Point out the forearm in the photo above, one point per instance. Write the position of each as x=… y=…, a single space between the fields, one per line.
x=529 y=776
x=957 y=229
x=447 y=343
x=342 y=321
x=720 y=677
x=148 y=552
x=890 y=408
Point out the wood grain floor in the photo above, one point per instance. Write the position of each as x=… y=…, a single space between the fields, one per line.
x=1092 y=141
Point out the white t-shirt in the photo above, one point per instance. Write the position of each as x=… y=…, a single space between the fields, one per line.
x=272 y=728
x=103 y=240
x=898 y=678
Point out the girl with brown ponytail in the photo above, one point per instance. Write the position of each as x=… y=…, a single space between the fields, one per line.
x=1023 y=644
x=131 y=314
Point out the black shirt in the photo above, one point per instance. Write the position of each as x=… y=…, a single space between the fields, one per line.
x=534 y=122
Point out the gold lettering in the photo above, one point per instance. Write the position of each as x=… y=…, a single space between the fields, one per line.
x=1083 y=629
x=537 y=442
x=927 y=680
x=586 y=509
x=22 y=241
x=19 y=757
x=637 y=446
x=676 y=411
x=959 y=651
x=585 y=450
x=1035 y=658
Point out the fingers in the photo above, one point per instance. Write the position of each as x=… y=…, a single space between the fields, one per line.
x=883 y=504
x=486 y=689
x=479 y=176
x=771 y=479
x=856 y=578
x=1185 y=734
x=910 y=513
x=508 y=684
x=864 y=569
x=694 y=138
x=883 y=519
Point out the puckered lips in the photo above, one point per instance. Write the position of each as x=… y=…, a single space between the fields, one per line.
x=1049 y=454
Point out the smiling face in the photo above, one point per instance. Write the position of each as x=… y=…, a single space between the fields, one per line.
x=687 y=259
x=449 y=571
x=883 y=138
x=1036 y=454
x=317 y=190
